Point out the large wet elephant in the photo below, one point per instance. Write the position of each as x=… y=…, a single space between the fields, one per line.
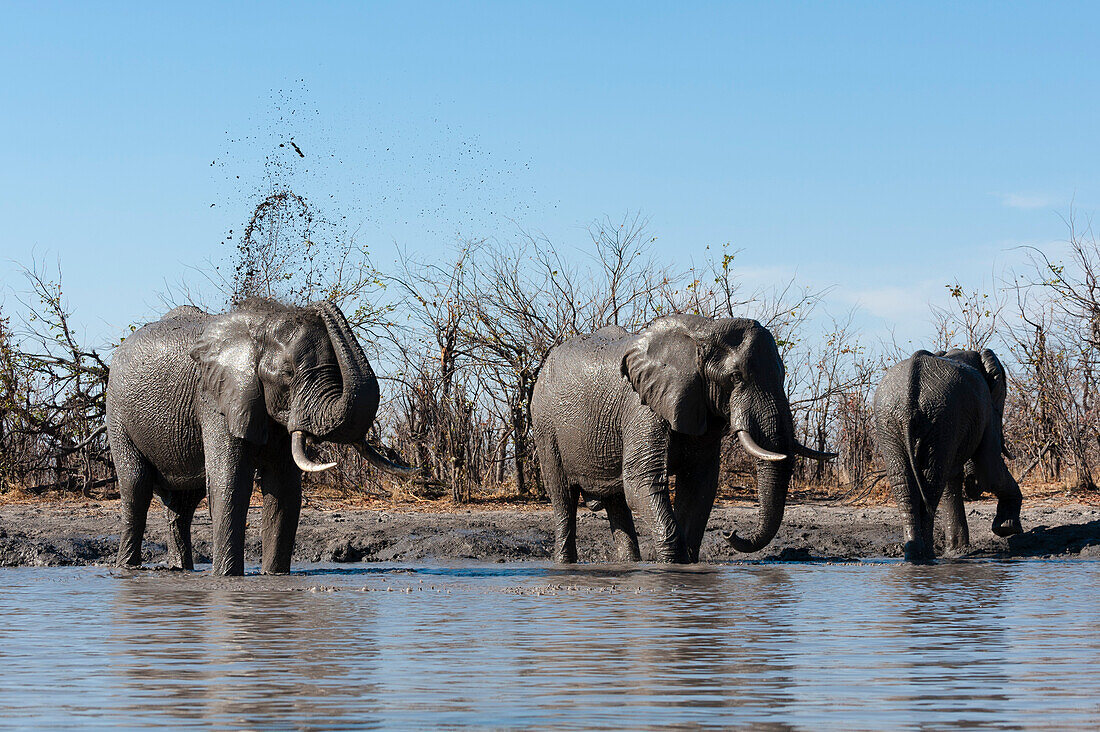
x=939 y=420
x=197 y=403
x=615 y=414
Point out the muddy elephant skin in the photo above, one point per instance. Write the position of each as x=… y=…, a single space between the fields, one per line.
x=197 y=403
x=938 y=421
x=616 y=414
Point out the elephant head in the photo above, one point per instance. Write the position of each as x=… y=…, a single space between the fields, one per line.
x=700 y=373
x=301 y=368
x=986 y=363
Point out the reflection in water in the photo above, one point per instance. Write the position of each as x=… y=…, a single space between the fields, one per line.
x=237 y=653
x=777 y=646
x=950 y=636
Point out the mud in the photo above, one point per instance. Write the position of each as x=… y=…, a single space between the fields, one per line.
x=48 y=534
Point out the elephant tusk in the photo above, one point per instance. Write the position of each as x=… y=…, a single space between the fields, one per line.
x=383 y=463
x=99 y=431
x=809 y=452
x=755 y=450
x=298 y=451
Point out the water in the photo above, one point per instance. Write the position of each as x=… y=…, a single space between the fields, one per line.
x=871 y=645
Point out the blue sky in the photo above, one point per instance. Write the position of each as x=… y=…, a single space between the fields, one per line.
x=883 y=148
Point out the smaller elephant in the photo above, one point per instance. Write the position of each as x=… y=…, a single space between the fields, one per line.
x=939 y=422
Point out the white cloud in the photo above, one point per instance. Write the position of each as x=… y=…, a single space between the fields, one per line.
x=893 y=302
x=1026 y=201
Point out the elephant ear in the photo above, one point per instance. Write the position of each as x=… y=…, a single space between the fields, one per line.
x=995 y=377
x=663 y=367
x=227 y=356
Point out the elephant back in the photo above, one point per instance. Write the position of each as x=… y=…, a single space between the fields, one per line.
x=154 y=354
x=581 y=373
x=605 y=345
x=930 y=393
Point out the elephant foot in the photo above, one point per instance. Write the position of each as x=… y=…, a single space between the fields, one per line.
x=625 y=554
x=276 y=565
x=231 y=569
x=954 y=552
x=180 y=563
x=674 y=557
x=916 y=551
x=958 y=544
x=564 y=556
x=128 y=561
x=1007 y=527
x=230 y=573
x=179 y=566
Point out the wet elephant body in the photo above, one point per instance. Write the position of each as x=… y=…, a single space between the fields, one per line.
x=616 y=414
x=198 y=403
x=938 y=420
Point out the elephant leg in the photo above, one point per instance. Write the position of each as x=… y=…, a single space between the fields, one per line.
x=696 y=489
x=624 y=537
x=993 y=475
x=645 y=484
x=971 y=486
x=935 y=487
x=916 y=525
x=135 y=487
x=282 y=490
x=179 y=510
x=563 y=499
x=229 y=476
x=955 y=530
x=643 y=497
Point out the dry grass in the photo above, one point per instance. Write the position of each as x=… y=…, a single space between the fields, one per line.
x=403 y=499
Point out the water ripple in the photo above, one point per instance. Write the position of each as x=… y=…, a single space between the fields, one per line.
x=1008 y=645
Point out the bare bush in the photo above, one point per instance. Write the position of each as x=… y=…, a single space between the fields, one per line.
x=52 y=397
x=459 y=341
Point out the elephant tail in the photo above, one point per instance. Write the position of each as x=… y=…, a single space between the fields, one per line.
x=916 y=430
x=915 y=456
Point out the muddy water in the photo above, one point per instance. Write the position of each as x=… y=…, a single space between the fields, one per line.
x=871 y=645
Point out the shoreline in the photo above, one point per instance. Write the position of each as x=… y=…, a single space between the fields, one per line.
x=67 y=533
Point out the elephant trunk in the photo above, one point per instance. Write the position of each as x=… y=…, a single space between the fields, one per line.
x=772 y=479
x=773 y=424
x=347 y=418
x=340 y=411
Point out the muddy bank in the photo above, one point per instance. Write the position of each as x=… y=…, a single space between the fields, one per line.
x=44 y=534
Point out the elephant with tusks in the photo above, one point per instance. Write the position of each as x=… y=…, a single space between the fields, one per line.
x=615 y=414
x=198 y=403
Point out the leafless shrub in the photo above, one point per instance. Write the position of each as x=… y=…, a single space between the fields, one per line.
x=1054 y=418
x=52 y=391
x=458 y=343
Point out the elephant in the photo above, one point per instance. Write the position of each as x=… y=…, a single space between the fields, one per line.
x=197 y=403
x=615 y=414
x=938 y=418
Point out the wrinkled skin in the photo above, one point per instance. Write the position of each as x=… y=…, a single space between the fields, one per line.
x=197 y=403
x=616 y=414
x=939 y=424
